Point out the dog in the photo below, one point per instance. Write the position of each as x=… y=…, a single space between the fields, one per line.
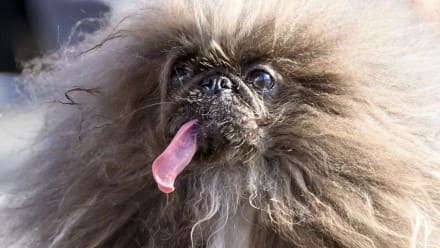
x=185 y=123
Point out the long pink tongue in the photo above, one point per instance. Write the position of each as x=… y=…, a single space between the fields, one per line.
x=179 y=153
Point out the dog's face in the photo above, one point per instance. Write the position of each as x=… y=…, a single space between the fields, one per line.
x=234 y=93
x=244 y=93
x=228 y=99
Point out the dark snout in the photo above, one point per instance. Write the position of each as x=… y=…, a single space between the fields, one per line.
x=223 y=86
x=216 y=84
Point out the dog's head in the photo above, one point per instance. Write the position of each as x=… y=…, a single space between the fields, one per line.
x=233 y=87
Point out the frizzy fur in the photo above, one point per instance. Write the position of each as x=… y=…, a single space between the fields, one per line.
x=359 y=178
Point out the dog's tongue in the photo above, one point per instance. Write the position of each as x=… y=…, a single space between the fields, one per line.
x=179 y=153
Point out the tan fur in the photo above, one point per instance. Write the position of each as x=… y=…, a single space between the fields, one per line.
x=349 y=150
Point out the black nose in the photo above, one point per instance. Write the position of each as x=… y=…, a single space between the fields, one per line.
x=216 y=84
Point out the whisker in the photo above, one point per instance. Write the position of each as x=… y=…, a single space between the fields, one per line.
x=142 y=108
x=120 y=118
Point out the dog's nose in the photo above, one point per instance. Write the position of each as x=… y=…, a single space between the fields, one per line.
x=216 y=84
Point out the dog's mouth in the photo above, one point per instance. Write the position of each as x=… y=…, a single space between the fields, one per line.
x=215 y=125
x=211 y=138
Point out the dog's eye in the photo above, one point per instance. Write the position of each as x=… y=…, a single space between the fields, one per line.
x=180 y=74
x=261 y=80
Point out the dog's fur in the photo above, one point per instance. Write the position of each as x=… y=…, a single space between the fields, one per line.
x=347 y=153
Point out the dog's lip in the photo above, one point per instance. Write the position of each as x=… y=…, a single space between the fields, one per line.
x=196 y=127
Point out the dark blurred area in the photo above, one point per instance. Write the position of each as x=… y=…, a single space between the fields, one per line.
x=17 y=41
x=31 y=27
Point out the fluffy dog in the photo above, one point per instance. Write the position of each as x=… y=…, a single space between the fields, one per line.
x=238 y=124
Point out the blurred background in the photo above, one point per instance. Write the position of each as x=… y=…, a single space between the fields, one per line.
x=32 y=27
x=29 y=28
